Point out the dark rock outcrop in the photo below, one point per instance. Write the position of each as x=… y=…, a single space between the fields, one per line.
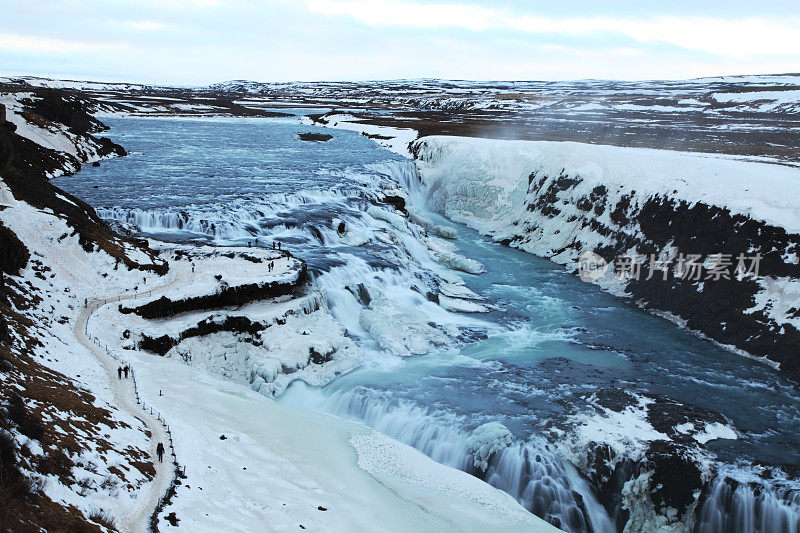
x=398 y=202
x=234 y=324
x=13 y=253
x=228 y=297
x=314 y=137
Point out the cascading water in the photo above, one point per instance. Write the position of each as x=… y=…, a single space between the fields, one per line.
x=529 y=471
x=735 y=507
x=290 y=216
x=544 y=343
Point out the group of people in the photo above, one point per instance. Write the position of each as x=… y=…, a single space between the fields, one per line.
x=123 y=370
x=270 y=266
x=275 y=244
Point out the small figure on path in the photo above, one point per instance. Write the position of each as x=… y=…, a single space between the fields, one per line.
x=192 y=268
x=273 y=245
x=125 y=371
x=160 y=452
x=279 y=245
x=119 y=372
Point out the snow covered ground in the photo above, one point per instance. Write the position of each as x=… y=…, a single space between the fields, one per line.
x=106 y=478
x=251 y=462
x=227 y=268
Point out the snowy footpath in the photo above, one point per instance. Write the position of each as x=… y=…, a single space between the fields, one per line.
x=125 y=396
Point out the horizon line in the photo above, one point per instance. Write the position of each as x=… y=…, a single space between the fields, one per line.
x=89 y=79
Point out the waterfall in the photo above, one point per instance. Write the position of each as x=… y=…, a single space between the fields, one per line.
x=300 y=217
x=735 y=507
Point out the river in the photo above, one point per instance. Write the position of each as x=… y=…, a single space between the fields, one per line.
x=536 y=361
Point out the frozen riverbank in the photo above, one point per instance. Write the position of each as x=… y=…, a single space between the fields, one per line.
x=559 y=200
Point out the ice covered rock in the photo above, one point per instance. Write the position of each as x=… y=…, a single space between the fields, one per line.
x=459 y=262
x=348 y=234
x=404 y=331
x=395 y=220
x=448 y=232
x=454 y=290
x=487 y=440
x=460 y=305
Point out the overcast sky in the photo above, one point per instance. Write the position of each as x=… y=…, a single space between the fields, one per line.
x=188 y=42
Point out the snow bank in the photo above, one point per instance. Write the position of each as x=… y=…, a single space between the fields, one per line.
x=481 y=180
x=394 y=139
x=251 y=462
